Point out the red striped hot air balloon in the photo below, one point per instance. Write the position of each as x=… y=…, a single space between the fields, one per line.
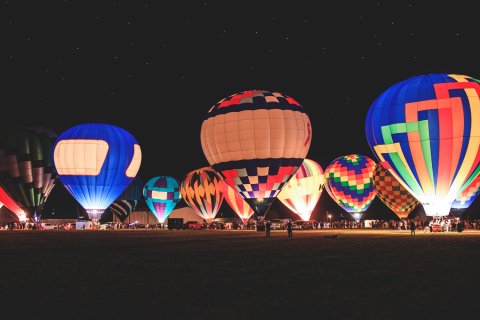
x=256 y=140
x=304 y=189
x=237 y=203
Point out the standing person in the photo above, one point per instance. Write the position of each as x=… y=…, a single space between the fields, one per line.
x=267 y=228
x=289 y=229
x=412 y=227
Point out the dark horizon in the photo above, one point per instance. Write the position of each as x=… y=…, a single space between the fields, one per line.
x=66 y=63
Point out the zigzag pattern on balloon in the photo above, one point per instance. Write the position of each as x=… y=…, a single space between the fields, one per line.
x=466 y=197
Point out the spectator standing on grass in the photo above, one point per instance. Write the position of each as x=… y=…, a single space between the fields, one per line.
x=289 y=229
x=267 y=228
x=412 y=227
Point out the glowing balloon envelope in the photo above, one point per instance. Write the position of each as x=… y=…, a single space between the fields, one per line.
x=304 y=189
x=426 y=132
x=466 y=197
x=392 y=193
x=27 y=172
x=349 y=181
x=256 y=140
x=202 y=191
x=95 y=163
x=162 y=195
x=10 y=204
x=128 y=200
x=237 y=203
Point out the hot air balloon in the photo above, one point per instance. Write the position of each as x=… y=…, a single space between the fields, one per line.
x=202 y=191
x=466 y=197
x=349 y=181
x=162 y=195
x=95 y=163
x=426 y=132
x=10 y=204
x=236 y=202
x=26 y=167
x=392 y=193
x=256 y=140
x=304 y=189
x=128 y=200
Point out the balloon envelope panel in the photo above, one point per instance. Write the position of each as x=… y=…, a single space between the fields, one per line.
x=236 y=202
x=468 y=195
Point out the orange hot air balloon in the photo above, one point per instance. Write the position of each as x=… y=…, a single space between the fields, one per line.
x=237 y=203
x=256 y=140
x=202 y=191
x=304 y=189
x=392 y=193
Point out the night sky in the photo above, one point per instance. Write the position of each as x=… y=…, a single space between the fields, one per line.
x=155 y=67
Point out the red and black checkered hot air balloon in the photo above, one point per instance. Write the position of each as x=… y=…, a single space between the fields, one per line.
x=256 y=140
x=202 y=191
x=392 y=193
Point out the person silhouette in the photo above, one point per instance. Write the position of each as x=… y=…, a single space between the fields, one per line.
x=289 y=229
x=267 y=228
x=412 y=227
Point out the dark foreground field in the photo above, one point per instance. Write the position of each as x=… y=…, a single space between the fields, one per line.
x=238 y=274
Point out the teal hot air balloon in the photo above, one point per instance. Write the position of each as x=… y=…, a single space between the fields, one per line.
x=426 y=132
x=162 y=195
x=27 y=172
x=128 y=200
x=95 y=163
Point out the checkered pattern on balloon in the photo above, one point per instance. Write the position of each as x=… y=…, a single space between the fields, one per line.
x=392 y=193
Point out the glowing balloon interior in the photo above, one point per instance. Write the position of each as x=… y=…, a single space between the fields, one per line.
x=236 y=202
x=426 y=132
x=256 y=140
x=162 y=195
x=349 y=181
x=202 y=191
x=392 y=193
x=303 y=190
x=95 y=163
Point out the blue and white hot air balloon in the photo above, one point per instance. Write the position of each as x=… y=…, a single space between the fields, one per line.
x=96 y=162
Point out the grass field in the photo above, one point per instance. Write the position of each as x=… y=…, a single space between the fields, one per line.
x=239 y=274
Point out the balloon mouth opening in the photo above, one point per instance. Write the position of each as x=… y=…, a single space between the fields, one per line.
x=94 y=214
x=357 y=216
x=437 y=208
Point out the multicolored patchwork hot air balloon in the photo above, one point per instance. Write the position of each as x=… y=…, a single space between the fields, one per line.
x=26 y=167
x=236 y=202
x=256 y=140
x=162 y=195
x=392 y=193
x=466 y=197
x=304 y=189
x=128 y=200
x=349 y=181
x=95 y=163
x=202 y=191
x=426 y=132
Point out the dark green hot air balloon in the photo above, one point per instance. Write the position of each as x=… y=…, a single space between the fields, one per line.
x=27 y=172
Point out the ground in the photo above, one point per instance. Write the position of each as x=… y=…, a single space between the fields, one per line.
x=239 y=274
